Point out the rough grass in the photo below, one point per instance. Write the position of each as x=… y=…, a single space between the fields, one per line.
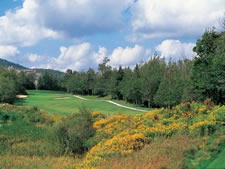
x=25 y=162
x=47 y=100
x=162 y=153
x=121 y=141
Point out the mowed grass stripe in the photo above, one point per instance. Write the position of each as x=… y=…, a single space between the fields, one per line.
x=46 y=100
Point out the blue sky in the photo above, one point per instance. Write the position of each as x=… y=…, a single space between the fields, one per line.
x=78 y=34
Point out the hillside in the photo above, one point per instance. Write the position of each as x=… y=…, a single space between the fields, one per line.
x=5 y=63
x=190 y=135
x=50 y=71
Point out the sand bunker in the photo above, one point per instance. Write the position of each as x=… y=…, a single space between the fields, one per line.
x=21 y=96
x=62 y=98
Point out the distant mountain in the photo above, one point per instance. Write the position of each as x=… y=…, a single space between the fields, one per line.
x=50 y=71
x=5 y=63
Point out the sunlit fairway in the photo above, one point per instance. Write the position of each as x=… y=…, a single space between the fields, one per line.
x=61 y=103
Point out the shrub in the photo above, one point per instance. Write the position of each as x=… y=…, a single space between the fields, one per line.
x=71 y=133
x=208 y=102
x=34 y=115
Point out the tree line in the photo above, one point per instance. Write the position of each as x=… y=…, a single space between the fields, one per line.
x=156 y=83
x=160 y=83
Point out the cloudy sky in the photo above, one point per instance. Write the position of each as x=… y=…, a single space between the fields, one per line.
x=78 y=34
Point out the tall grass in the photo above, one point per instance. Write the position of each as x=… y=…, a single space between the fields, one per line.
x=162 y=153
x=26 y=162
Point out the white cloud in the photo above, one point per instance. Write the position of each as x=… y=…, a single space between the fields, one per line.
x=41 y=19
x=82 y=56
x=22 y=27
x=82 y=17
x=76 y=57
x=6 y=52
x=174 y=18
x=127 y=56
x=175 y=50
x=34 y=57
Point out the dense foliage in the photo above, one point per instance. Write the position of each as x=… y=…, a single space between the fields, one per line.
x=196 y=130
x=72 y=133
x=13 y=83
x=50 y=80
x=154 y=83
x=160 y=83
x=208 y=75
x=122 y=135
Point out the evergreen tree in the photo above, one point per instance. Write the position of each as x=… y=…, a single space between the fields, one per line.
x=171 y=88
x=152 y=73
x=116 y=83
x=91 y=80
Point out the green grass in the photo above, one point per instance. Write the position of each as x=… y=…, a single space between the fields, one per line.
x=122 y=102
x=21 y=128
x=17 y=130
x=219 y=162
x=46 y=100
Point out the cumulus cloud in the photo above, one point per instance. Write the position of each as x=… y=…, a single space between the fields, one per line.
x=22 y=27
x=33 y=57
x=41 y=19
x=7 y=52
x=76 y=57
x=176 y=50
x=82 y=56
x=128 y=56
x=82 y=17
x=174 y=18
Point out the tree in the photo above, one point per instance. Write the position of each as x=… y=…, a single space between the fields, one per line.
x=72 y=133
x=116 y=83
x=134 y=87
x=222 y=22
x=208 y=68
x=104 y=78
x=25 y=82
x=152 y=74
x=49 y=82
x=8 y=88
x=91 y=80
x=171 y=88
x=125 y=84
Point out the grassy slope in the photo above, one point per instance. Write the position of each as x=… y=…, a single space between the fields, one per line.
x=46 y=100
x=23 y=145
x=219 y=162
x=26 y=138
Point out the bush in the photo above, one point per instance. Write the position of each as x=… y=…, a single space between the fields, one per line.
x=34 y=116
x=71 y=134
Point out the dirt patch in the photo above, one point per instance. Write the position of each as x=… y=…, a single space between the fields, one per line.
x=62 y=98
x=21 y=96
